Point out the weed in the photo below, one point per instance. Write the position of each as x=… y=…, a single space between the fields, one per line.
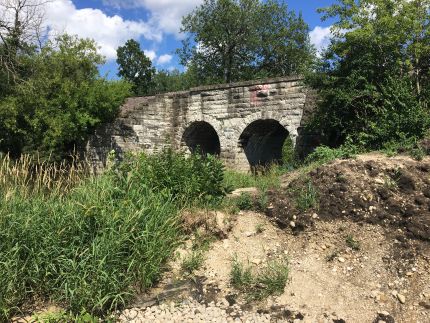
x=268 y=179
x=262 y=201
x=307 y=197
x=417 y=153
x=241 y=277
x=271 y=280
x=245 y=202
x=352 y=243
x=193 y=261
x=259 y=228
x=332 y=256
x=390 y=183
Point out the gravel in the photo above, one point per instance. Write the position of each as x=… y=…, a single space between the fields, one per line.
x=191 y=311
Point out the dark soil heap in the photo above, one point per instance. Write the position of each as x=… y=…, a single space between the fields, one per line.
x=392 y=192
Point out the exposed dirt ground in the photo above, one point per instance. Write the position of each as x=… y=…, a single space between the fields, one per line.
x=361 y=255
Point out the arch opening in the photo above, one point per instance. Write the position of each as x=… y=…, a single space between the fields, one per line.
x=201 y=137
x=262 y=142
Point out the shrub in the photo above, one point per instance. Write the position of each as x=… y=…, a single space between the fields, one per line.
x=289 y=156
x=324 y=154
x=188 y=180
x=245 y=202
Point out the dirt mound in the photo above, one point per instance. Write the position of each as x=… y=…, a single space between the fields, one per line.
x=392 y=192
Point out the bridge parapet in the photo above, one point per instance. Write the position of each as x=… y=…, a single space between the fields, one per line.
x=244 y=123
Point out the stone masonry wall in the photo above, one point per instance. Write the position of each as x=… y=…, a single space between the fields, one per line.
x=152 y=123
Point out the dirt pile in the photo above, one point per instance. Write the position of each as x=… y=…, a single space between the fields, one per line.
x=392 y=192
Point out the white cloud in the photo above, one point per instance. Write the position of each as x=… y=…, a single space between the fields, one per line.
x=150 y=54
x=164 y=59
x=166 y=15
x=108 y=31
x=320 y=37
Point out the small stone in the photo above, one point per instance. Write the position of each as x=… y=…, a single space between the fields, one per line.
x=341 y=259
x=401 y=298
x=394 y=293
x=383 y=313
x=314 y=216
x=409 y=273
x=249 y=234
x=292 y=224
x=256 y=261
x=379 y=181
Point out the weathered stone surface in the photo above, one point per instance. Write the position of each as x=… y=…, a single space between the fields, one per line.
x=218 y=119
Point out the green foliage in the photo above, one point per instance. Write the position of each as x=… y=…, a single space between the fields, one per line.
x=90 y=248
x=307 y=197
x=193 y=261
x=60 y=104
x=172 y=81
x=244 y=39
x=264 y=181
x=135 y=67
x=373 y=79
x=289 y=156
x=324 y=154
x=245 y=202
x=352 y=243
x=240 y=276
x=270 y=280
x=197 y=178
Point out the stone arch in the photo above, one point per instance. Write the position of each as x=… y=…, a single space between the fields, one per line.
x=201 y=136
x=262 y=141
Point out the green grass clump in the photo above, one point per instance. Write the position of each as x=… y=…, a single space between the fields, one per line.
x=92 y=247
x=268 y=179
x=352 y=243
x=193 y=261
x=307 y=197
x=271 y=280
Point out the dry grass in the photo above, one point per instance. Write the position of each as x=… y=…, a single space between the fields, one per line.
x=31 y=175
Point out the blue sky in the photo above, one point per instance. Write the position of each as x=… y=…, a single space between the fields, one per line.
x=154 y=23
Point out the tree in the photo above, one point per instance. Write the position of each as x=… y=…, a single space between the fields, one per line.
x=61 y=103
x=172 y=81
x=374 y=77
x=21 y=28
x=135 y=67
x=231 y=40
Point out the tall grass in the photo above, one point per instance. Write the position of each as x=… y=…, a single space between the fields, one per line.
x=32 y=175
x=269 y=179
x=92 y=247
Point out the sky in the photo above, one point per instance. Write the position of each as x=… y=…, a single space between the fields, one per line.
x=155 y=24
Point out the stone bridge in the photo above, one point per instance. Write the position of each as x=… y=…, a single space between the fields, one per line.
x=245 y=123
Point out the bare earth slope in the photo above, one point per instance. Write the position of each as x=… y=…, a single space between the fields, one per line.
x=361 y=254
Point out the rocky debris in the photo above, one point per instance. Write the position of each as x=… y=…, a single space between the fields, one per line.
x=191 y=311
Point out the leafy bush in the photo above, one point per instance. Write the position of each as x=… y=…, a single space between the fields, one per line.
x=324 y=154
x=245 y=202
x=187 y=180
x=54 y=108
x=289 y=156
x=371 y=82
